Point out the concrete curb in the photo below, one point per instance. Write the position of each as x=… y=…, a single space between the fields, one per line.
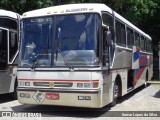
x=153 y=82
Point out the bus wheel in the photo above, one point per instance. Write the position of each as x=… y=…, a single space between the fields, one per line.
x=116 y=92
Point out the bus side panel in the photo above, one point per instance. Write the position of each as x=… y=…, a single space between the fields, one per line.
x=122 y=59
x=139 y=76
x=106 y=89
x=13 y=79
x=5 y=80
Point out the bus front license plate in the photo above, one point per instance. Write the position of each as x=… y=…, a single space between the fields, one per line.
x=52 y=96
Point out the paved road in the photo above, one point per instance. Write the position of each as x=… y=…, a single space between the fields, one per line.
x=138 y=102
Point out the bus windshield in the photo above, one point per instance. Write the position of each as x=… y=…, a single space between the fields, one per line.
x=61 y=40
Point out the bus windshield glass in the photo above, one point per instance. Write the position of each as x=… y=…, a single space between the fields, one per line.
x=37 y=42
x=61 y=40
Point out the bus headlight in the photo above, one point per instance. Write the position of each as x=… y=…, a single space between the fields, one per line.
x=27 y=83
x=80 y=85
x=88 y=85
x=84 y=85
x=21 y=83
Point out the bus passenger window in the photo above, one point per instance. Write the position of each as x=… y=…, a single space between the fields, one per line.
x=145 y=44
x=108 y=20
x=120 y=34
x=3 y=49
x=137 y=40
x=150 y=46
x=142 y=44
x=8 y=23
x=130 y=37
x=13 y=45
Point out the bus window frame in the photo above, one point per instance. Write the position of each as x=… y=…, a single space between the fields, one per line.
x=99 y=39
x=11 y=60
x=142 y=43
x=110 y=58
x=10 y=30
x=7 y=30
x=15 y=20
x=124 y=24
x=138 y=36
x=128 y=27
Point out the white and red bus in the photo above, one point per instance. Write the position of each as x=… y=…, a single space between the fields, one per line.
x=82 y=55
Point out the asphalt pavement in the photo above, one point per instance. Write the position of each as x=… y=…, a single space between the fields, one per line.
x=143 y=103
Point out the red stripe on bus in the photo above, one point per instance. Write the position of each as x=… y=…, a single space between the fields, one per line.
x=49 y=80
x=138 y=75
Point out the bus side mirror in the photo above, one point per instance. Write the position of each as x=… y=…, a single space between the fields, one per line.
x=107 y=35
x=109 y=38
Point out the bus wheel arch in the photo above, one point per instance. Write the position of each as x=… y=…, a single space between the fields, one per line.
x=117 y=90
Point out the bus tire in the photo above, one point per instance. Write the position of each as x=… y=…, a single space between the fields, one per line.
x=116 y=93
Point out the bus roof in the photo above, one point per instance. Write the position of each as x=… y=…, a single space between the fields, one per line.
x=5 y=13
x=67 y=9
x=79 y=8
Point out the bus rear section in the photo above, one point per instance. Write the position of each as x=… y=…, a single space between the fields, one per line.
x=60 y=88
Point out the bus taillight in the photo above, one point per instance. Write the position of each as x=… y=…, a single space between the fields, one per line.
x=95 y=84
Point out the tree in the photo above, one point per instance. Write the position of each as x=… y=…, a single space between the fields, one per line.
x=143 y=13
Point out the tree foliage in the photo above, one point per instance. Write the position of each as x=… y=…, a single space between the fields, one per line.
x=143 y=13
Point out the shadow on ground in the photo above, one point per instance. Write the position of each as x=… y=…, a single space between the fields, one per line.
x=6 y=98
x=157 y=94
x=131 y=94
x=61 y=111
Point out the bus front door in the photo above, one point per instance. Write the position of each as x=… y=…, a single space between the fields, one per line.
x=5 y=78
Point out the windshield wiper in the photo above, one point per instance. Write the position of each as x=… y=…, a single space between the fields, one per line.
x=45 y=51
x=58 y=50
x=64 y=58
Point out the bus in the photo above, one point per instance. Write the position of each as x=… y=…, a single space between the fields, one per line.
x=80 y=55
x=9 y=42
x=158 y=61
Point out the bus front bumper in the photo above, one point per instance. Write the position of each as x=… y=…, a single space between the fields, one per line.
x=61 y=97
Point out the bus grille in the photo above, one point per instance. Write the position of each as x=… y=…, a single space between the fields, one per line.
x=52 y=84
